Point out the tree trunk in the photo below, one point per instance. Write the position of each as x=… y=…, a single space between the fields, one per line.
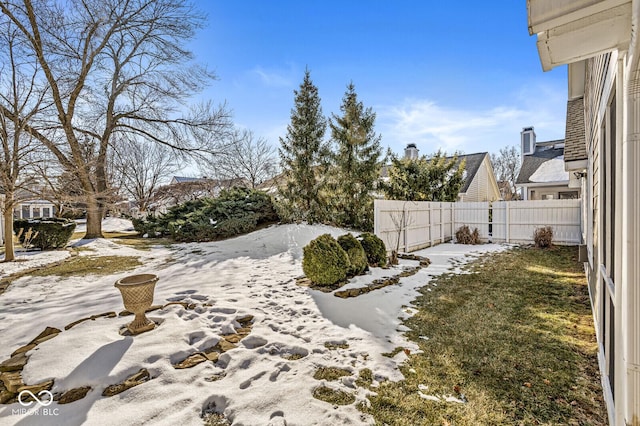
x=9 y=254
x=94 y=217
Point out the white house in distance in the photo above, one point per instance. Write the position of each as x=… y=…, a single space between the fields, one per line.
x=542 y=175
x=599 y=42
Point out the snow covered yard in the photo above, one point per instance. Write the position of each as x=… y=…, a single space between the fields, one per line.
x=266 y=379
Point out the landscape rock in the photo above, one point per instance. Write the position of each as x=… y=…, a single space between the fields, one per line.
x=131 y=381
x=47 y=333
x=12 y=380
x=24 y=349
x=5 y=395
x=15 y=363
x=73 y=395
x=37 y=388
x=191 y=361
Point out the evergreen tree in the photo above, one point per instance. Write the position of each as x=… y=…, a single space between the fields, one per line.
x=424 y=179
x=304 y=157
x=356 y=162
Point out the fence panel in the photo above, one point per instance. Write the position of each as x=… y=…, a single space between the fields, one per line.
x=410 y=225
x=522 y=218
x=474 y=215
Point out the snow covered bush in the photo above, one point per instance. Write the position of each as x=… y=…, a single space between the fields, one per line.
x=324 y=262
x=543 y=236
x=236 y=211
x=355 y=252
x=45 y=234
x=465 y=236
x=374 y=248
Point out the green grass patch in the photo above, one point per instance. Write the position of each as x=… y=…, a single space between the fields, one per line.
x=330 y=373
x=515 y=338
x=89 y=265
x=333 y=396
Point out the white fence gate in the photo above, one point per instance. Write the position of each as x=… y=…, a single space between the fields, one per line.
x=411 y=225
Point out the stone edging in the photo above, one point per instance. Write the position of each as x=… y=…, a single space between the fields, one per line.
x=11 y=383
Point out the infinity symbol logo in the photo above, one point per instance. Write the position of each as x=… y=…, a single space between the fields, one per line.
x=43 y=402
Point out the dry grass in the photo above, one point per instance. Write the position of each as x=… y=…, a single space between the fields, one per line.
x=515 y=338
x=330 y=373
x=89 y=265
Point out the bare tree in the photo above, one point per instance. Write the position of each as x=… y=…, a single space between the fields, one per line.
x=401 y=222
x=115 y=69
x=19 y=95
x=245 y=158
x=506 y=166
x=143 y=166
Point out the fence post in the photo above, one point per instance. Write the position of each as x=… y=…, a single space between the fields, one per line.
x=507 y=219
x=453 y=220
x=405 y=224
x=441 y=225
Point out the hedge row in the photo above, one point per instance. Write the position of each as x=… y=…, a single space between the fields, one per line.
x=326 y=261
x=236 y=211
x=45 y=234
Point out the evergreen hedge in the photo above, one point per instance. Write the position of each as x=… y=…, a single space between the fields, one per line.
x=356 y=254
x=50 y=233
x=236 y=211
x=374 y=248
x=324 y=262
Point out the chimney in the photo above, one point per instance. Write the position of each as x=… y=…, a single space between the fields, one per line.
x=411 y=152
x=527 y=141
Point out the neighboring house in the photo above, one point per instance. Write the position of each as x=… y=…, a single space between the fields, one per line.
x=599 y=42
x=479 y=183
x=542 y=175
x=181 y=189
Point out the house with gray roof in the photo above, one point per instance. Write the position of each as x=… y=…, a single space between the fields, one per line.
x=542 y=174
x=479 y=182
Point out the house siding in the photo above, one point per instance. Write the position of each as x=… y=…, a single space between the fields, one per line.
x=483 y=187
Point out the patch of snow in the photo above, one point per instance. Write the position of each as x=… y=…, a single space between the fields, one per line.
x=551 y=171
x=109 y=224
x=31 y=259
x=252 y=274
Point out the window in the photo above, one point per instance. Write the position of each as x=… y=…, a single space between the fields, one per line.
x=569 y=195
x=46 y=212
x=26 y=214
x=36 y=212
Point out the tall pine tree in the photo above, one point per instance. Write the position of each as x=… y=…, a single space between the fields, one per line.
x=356 y=162
x=304 y=157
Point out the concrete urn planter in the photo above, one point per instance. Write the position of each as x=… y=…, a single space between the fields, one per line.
x=137 y=295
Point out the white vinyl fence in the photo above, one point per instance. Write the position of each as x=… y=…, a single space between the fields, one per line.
x=411 y=225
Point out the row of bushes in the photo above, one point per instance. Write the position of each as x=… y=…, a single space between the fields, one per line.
x=542 y=237
x=236 y=211
x=327 y=261
x=45 y=234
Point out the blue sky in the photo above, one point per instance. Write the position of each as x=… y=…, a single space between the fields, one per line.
x=444 y=75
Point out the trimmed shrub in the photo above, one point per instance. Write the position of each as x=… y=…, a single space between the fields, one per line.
x=356 y=254
x=543 y=237
x=324 y=262
x=374 y=248
x=465 y=236
x=45 y=234
x=236 y=211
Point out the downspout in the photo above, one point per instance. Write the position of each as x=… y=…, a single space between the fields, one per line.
x=631 y=229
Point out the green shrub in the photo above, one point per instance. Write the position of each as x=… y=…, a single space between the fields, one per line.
x=465 y=236
x=374 y=248
x=236 y=211
x=356 y=254
x=543 y=237
x=324 y=262
x=46 y=234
